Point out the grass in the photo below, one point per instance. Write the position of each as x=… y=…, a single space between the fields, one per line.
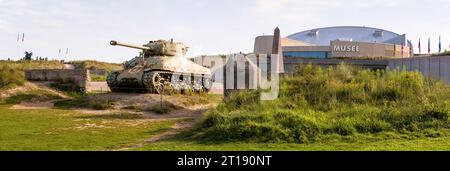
x=82 y=101
x=342 y=108
x=30 y=96
x=164 y=109
x=56 y=129
x=103 y=105
x=23 y=65
x=198 y=98
x=88 y=64
x=97 y=78
x=423 y=144
x=10 y=77
x=324 y=105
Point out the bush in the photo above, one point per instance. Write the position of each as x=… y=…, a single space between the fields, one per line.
x=321 y=104
x=242 y=98
x=10 y=77
x=372 y=126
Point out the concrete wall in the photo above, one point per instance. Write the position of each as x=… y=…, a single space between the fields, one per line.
x=78 y=76
x=431 y=66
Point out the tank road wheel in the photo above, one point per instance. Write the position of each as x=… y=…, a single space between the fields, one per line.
x=162 y=83
x=207 y=84
x=111 y=80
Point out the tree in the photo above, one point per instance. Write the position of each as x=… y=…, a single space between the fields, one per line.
x=28 y=56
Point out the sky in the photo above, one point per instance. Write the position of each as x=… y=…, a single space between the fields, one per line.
x=208 y=27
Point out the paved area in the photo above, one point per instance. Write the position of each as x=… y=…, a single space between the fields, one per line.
x=98 y=86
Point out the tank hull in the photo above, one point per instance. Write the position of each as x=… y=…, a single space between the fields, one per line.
x=157 y=74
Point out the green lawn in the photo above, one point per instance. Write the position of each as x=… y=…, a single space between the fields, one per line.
x=423 y=144
x=54 y=129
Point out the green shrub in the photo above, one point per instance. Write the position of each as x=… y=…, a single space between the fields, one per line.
x=372 y=126
x=242 y=98
x=343 y=127
x=340 y=102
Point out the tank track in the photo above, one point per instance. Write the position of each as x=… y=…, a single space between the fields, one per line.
x=157 y=82
x=161 y=82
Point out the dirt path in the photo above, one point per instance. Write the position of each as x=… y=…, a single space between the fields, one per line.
x=35 y=105
x=193 y=113
x=174 y=130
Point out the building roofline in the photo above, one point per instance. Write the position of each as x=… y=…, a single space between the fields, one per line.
x=343 y=27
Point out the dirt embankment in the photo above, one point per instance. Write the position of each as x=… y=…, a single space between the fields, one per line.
x=40 y=92
x=28 y=87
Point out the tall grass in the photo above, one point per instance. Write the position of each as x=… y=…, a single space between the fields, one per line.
x=23 y=65
x=10 y=77
x=91 y=64
x=320 y=104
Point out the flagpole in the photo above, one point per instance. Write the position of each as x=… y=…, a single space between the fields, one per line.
x=18 y=45
x=23 y=49
x=420 y=48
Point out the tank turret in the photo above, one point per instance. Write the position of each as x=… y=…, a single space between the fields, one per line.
x=161 y=62
x=115 y=43
x=159 y=47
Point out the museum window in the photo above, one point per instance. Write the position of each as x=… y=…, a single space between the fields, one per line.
x=307 y=54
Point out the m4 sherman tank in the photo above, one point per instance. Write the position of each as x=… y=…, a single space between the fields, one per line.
x=160 y=68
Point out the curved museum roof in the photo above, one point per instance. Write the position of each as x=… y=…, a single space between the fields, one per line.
x=323 y=36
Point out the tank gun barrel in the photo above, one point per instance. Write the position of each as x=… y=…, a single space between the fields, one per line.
x=115 y=43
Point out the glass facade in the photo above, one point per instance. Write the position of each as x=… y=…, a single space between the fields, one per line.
x=308 y=54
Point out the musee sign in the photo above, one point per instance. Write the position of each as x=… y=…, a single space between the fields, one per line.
x=346 y=48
